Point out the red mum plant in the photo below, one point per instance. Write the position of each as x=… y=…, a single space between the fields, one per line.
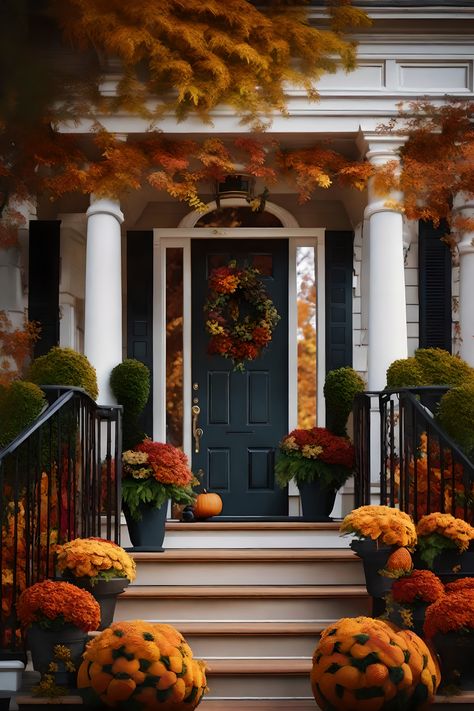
x=154 y=472
x=459 y=585
x=420 y=585
x=54 y=604
x=316 y=453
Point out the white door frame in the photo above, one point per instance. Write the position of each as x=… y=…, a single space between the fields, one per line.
x=164 y=238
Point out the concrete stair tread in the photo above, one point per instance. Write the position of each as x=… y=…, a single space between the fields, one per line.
x=282 y=628
x=243 y=591
x=287 y=666
x=181 y=555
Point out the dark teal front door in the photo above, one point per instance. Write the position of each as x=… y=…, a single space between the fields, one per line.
x=242 y=416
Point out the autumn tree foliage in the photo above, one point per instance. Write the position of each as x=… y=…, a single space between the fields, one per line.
x=16 y=346
x=437 y=160
x=172 y=55
x=306 y=344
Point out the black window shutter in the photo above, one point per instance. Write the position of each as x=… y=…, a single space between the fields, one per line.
x=434 y=268
x=339 y=266
x=43 y=282
x=140 y=309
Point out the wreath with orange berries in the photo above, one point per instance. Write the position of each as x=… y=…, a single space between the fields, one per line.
x=240 y=316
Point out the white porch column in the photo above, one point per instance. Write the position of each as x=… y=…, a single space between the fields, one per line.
x=12 y=299
x=103 y=293
x=387 y=301
x=464 y=206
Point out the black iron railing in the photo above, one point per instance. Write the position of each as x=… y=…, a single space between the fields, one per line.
x=405 y=459
x=60 y=479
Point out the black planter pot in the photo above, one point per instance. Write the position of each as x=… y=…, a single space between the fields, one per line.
x=317 y=501
x=105 y=592
x=456 y=652
x=41 y=644
x=374 y=557
x=448 y=564
x=148 y=533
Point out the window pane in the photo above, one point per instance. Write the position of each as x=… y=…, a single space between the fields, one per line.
x=174 y=346
x=306 y=302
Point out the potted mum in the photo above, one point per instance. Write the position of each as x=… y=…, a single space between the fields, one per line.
x=56 y=613
x=320 y=463
x=153 y=473
x=449 y=625
x=100 y=566
x=411 y=595
x=378 y=531
x=442 y=542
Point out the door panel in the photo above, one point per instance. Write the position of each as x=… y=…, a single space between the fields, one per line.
x=243 y=415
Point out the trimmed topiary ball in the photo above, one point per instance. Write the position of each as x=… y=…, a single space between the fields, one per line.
x=141 y=665
x=441 y=368
x=340 y=388
x=456 y=410
x=20 y=404
x=64 y=366
x=404 y=373
x=366 y=664
x=130 y=383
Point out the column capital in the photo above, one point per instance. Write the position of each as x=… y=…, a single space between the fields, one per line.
x=379 y=148
x=105 y=206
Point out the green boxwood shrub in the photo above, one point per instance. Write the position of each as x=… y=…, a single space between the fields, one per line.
x=20 y=404
x=456 y=415
x=130 y=383
x=340 y=387
x=429 y=366
x=404 y=373
x=64 y=366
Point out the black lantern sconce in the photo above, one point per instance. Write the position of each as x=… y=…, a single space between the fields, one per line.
x=236 y=185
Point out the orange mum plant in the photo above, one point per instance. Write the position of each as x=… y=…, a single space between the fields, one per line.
x=141 y=665
x=95 y=558
x=154 y=472
x=453 y=612
x=442 y=531
x=383 y=524
x=420 y=585
x=459 y=585
x=54 y=604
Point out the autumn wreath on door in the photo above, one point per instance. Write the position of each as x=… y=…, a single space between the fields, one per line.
x=240 y=316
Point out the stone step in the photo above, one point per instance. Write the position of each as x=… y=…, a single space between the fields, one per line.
x=247 y=534
x=276 y=677
x=270 y=566
x=240 y=639
x=241 y=602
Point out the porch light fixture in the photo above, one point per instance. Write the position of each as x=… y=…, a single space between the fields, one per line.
x=235 y=185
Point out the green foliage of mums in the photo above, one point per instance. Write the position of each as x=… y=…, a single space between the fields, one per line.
x=20 y=404
x=340 y=388
x=130 y=383
x=64 y=366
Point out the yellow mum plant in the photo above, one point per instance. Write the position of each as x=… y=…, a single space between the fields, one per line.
x=141 y=665
x=94 y=558
x=382 y=524
x=442 y=531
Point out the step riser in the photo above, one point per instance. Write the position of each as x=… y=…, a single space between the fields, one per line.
x=258 y=646
x=234 y=609
x=257 y=686
x=248 y=539
x=252 y=572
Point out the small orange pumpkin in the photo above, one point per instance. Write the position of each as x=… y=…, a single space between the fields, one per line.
x=400 y=560
x=207 y=504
